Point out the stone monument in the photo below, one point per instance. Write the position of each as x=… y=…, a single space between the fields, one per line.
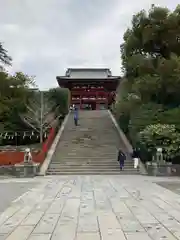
x=27 y=156
x=28 y=168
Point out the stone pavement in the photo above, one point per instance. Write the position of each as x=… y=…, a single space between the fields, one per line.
x=94 y=208
x=11 y=189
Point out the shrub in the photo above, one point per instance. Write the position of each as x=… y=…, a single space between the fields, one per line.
x=151 y=113
x=145 y=115
x=171 y=116
x=161 y=135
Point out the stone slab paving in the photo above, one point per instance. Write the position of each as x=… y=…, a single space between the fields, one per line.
x=94 y=208
x=10 y=189
x=173 y=186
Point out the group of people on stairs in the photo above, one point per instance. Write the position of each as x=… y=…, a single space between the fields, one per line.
x=122 y=158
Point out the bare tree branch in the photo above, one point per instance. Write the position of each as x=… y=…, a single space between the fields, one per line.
x=39 y=115
x=24 y=118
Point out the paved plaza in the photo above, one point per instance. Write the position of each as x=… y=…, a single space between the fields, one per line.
x=11 y=190
x=93 y=208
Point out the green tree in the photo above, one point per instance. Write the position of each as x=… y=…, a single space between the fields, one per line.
x=153 y=34
x=151 y=55
x=14 y=94
x=151 y=66
x=60 y=96
x=163 y=85
x=4 y=57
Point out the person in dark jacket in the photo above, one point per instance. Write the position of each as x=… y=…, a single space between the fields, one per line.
x=135 y=153
x=121 y=159
x=75 y=116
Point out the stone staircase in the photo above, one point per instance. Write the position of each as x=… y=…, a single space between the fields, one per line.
x=90 y=148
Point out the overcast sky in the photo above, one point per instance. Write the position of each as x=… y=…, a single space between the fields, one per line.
x=45 y=37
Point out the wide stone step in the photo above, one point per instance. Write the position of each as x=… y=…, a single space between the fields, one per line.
x=85 y=155
x=75 y=168
x=92 y=173
x=86 y=151
x=109 y=164
x=93 y=163
x=89 y=167
x=96 y=162
x=95 y=170
x=86 y=159
x=72 y=146
x=95 y=166
x=90 y=150
x=86 y=169
x=107 y=139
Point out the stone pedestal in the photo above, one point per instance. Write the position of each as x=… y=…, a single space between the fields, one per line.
x=25 y=170
x=159 y=170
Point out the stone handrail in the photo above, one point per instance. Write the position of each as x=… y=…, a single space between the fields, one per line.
x=52 y=149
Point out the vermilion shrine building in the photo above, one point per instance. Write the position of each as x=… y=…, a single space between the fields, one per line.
x=93 y=88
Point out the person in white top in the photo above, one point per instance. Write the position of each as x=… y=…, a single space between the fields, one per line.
x=135 y=156
x=136 y=163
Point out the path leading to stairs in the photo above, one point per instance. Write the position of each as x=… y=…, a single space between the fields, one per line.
x=94 y=208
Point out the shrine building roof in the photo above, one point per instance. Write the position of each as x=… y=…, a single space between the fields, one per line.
x=87 y=73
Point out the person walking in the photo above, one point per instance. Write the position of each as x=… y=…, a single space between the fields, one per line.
x=121 y=159
x=135 y=156
x=75 y=116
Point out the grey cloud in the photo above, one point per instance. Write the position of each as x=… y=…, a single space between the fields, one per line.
x=45 y=37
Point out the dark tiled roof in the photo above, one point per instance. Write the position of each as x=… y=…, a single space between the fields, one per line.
x=88 y=73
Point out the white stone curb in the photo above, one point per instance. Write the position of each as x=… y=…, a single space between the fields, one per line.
x=121 y=134
x=51 y=151
x=127 y=143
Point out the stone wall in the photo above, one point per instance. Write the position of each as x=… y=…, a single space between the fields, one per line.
x=20 y=170
x=7 y=170
x=163 y=170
